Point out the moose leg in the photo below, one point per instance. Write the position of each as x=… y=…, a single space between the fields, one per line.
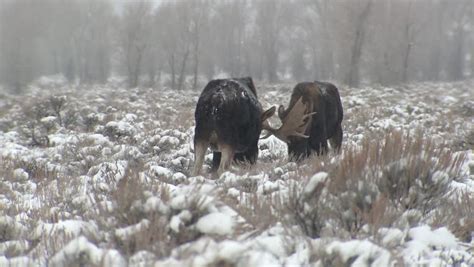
x=336 y=140
x=299 y=150
x=321 y=148
x=320 y=144
x=249 y=156
x=226 y=158
x=200 y=148
x=216 y=160
x=324 y=147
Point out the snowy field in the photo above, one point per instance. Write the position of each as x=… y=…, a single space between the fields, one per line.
x=99 y=176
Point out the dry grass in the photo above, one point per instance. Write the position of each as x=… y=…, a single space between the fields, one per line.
x=381 y=175
x=457 y=215
x=305 y=209
x=257 y=210
x=127 y=210
x=400 y=166
x=373 y=185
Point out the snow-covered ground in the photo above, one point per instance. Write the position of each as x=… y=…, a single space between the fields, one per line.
x=99 y=175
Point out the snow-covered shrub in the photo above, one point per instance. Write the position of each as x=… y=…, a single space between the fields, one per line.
x=405 y=170
x=356 y=253
x=90 y=120
x=57 y=104
x=70 y=117
x=36 y=169
x=415 y=173
x=48 y=123
x=161 y=173
x=457 y=215
x=128 y=197
x=81 y=252
x=136 y=190
x=32 y=127
x=10 y=229
x=36 y=110
x=305 y=206
x=116 y=130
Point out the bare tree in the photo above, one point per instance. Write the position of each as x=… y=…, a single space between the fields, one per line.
x=383 y=41
x=175 y=36
x=135 y=37
x=92 y=41
x=18 y=42
x=409 y=40
x=458 y=29
x=318 y=25
x=229 y=22
x=359 y=11
x=198 y=25
x=269 y=27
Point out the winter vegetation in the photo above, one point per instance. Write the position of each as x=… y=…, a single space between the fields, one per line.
x=100 y=175
x=97 y=102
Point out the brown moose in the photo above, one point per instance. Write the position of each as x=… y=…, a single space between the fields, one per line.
x=315 y=109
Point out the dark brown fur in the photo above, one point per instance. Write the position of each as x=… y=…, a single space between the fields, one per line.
x=322 y=98
x=228 y=120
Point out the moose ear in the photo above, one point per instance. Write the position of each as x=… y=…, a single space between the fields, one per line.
x=268 y=113
x=248 y=81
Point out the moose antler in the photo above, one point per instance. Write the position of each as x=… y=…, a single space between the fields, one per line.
x=294 y=124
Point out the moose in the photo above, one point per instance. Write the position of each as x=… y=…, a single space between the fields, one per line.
x=229 y=120
x=318 y=105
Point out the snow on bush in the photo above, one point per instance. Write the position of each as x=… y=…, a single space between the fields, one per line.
x=216 y=223
x=11 y=229
x=70 y=228
x=100 y=176
x=439 y=246
x=81 y=252
x=359 y=253
x=118 y=129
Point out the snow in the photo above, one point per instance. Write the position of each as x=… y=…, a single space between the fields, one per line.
x=156 y=204
x=98 y=139
x=126 y=232
x=179 y=202
x=365 y=253
x=272 y=244
x=72 y=228
x=20 y=175
x=216 y=223
x=392 y=237
x=315 y=180
x=437 y=239
x=15 y=261
x=48 y=119
x=142 y=258
x=121 y=128
x=81 y=251
x=230 y=250
x=120 y=192
x=439 y=246
x=258 y=258
x=159 y=171
x=10 y=229
x=16 y=246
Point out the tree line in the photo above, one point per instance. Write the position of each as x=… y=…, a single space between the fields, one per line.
x=180 y=42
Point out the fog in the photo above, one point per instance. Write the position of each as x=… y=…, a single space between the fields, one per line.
x=182 y=43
